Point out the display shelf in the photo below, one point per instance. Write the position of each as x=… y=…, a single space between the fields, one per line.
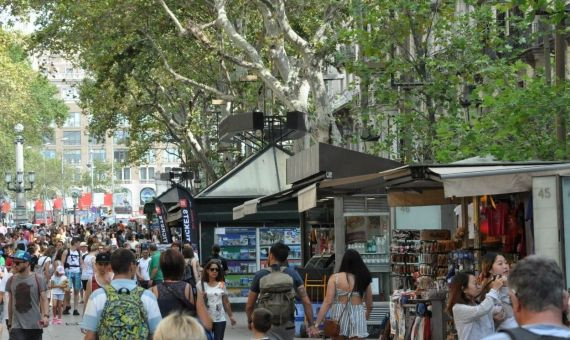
x=238 y=299
x=238 y=260
x=240 y=273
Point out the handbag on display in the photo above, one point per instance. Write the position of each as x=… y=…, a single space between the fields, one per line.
x=332 y=327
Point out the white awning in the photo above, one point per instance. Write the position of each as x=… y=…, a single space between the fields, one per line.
x=493 y=180
x=307 y=198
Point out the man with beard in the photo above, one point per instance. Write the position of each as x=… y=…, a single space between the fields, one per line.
x=28 y=308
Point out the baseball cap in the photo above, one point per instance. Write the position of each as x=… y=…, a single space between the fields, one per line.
x=83 y=244
x=22 y=256
x=60 y=270
x=103 y=258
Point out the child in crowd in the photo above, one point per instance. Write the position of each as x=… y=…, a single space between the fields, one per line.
x=58 y=284
x=260 y=323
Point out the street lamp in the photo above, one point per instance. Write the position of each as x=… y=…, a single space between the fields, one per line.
x=75 y=196
x=19 y=186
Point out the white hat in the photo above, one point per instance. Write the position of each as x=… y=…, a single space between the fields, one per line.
x=60 y=270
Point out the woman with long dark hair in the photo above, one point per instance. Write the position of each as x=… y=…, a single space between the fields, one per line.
x=346 y=290
x=473 y=321
x=212 y=290
x=495 y=265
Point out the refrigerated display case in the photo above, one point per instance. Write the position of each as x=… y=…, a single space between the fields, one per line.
x=247 y=248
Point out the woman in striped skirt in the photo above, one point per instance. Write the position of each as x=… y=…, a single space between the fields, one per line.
x=347 y=293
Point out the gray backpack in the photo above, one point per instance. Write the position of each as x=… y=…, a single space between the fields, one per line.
x=277 y=294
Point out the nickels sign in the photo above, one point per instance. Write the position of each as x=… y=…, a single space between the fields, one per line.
x=186 y=219
x=163 y=232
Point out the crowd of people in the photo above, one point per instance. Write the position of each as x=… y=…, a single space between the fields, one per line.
x=131 y=290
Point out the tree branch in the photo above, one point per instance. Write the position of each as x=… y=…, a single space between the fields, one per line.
x=301 y=44
x=280 y=90
x=173 y=17
x=192 y=82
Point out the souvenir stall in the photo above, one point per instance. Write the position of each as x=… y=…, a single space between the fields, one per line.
x=495 y=206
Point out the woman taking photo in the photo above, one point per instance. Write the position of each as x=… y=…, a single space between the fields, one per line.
x=473 y=321
x=495 y=265
x=212 y=290
x=174 y=294
x=346 y=290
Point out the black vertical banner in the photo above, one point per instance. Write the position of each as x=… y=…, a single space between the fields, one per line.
x=188 y=213
x=165 y=236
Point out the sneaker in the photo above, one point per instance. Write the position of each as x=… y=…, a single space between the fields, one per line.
x=54 y=321
x=59 y=322
x=66 y=311
x=75 y=312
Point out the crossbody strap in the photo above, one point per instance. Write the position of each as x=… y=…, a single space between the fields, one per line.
x=185 y=302
x=349 y=297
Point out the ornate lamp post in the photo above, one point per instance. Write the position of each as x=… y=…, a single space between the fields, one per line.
x=75 y=196
x=19 y=185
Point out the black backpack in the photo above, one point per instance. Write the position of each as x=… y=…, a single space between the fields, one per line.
x=189 y=278
x=521 y=333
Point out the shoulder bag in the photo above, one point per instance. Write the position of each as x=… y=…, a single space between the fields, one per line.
x=332 y=327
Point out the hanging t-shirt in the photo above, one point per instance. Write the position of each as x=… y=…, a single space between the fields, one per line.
x=215 y=304
x=471 y=226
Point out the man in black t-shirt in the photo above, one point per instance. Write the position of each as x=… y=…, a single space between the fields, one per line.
x=216 y=256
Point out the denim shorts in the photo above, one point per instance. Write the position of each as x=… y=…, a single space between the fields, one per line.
x=74 y=280
x=58 y=297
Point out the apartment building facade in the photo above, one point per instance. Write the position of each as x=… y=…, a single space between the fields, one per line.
x=133 y=186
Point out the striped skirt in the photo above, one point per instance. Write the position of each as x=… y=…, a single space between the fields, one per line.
x=353 y=322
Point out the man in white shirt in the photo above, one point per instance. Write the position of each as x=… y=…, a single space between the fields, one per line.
x=143 y=276
x=539 y=299
x=5 y=298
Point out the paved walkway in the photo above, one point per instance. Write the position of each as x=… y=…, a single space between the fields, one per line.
x=70 y=329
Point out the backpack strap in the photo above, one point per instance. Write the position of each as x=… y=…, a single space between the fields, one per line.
x=38 y=284
x=521 y=333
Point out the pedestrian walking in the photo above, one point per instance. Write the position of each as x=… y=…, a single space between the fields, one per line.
x=121 y=310
x=216 y=256
x=274 y=288
x=5 y=299
x=539 y=298
x=212 y=289
x=173 y=293
x=261 y=323
x=101 y=277
x=495 y=265
x=154 y=268
x=28 y=308
x=58 y=284
x=473 y=321
x=71 y=260
x=191 y=268
x=88 y=267
x=143 y=276
x=179 y=326
x=347 y=290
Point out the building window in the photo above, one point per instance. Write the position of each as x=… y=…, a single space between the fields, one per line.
x=146 y=173
x=69 y=94
x=49 y=154
x=149 y=157
x=98 y=155
x=121 y=137
x=72 y=156
x=71 y=137
x=171 y=155
x=120 y=155
x=73 y=120
x=123 y=174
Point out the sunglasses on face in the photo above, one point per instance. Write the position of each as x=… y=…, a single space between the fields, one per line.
x=214 y=269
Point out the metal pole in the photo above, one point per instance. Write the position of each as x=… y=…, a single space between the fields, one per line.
x=19 y=184
x=62 y=189
x=113 y=176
